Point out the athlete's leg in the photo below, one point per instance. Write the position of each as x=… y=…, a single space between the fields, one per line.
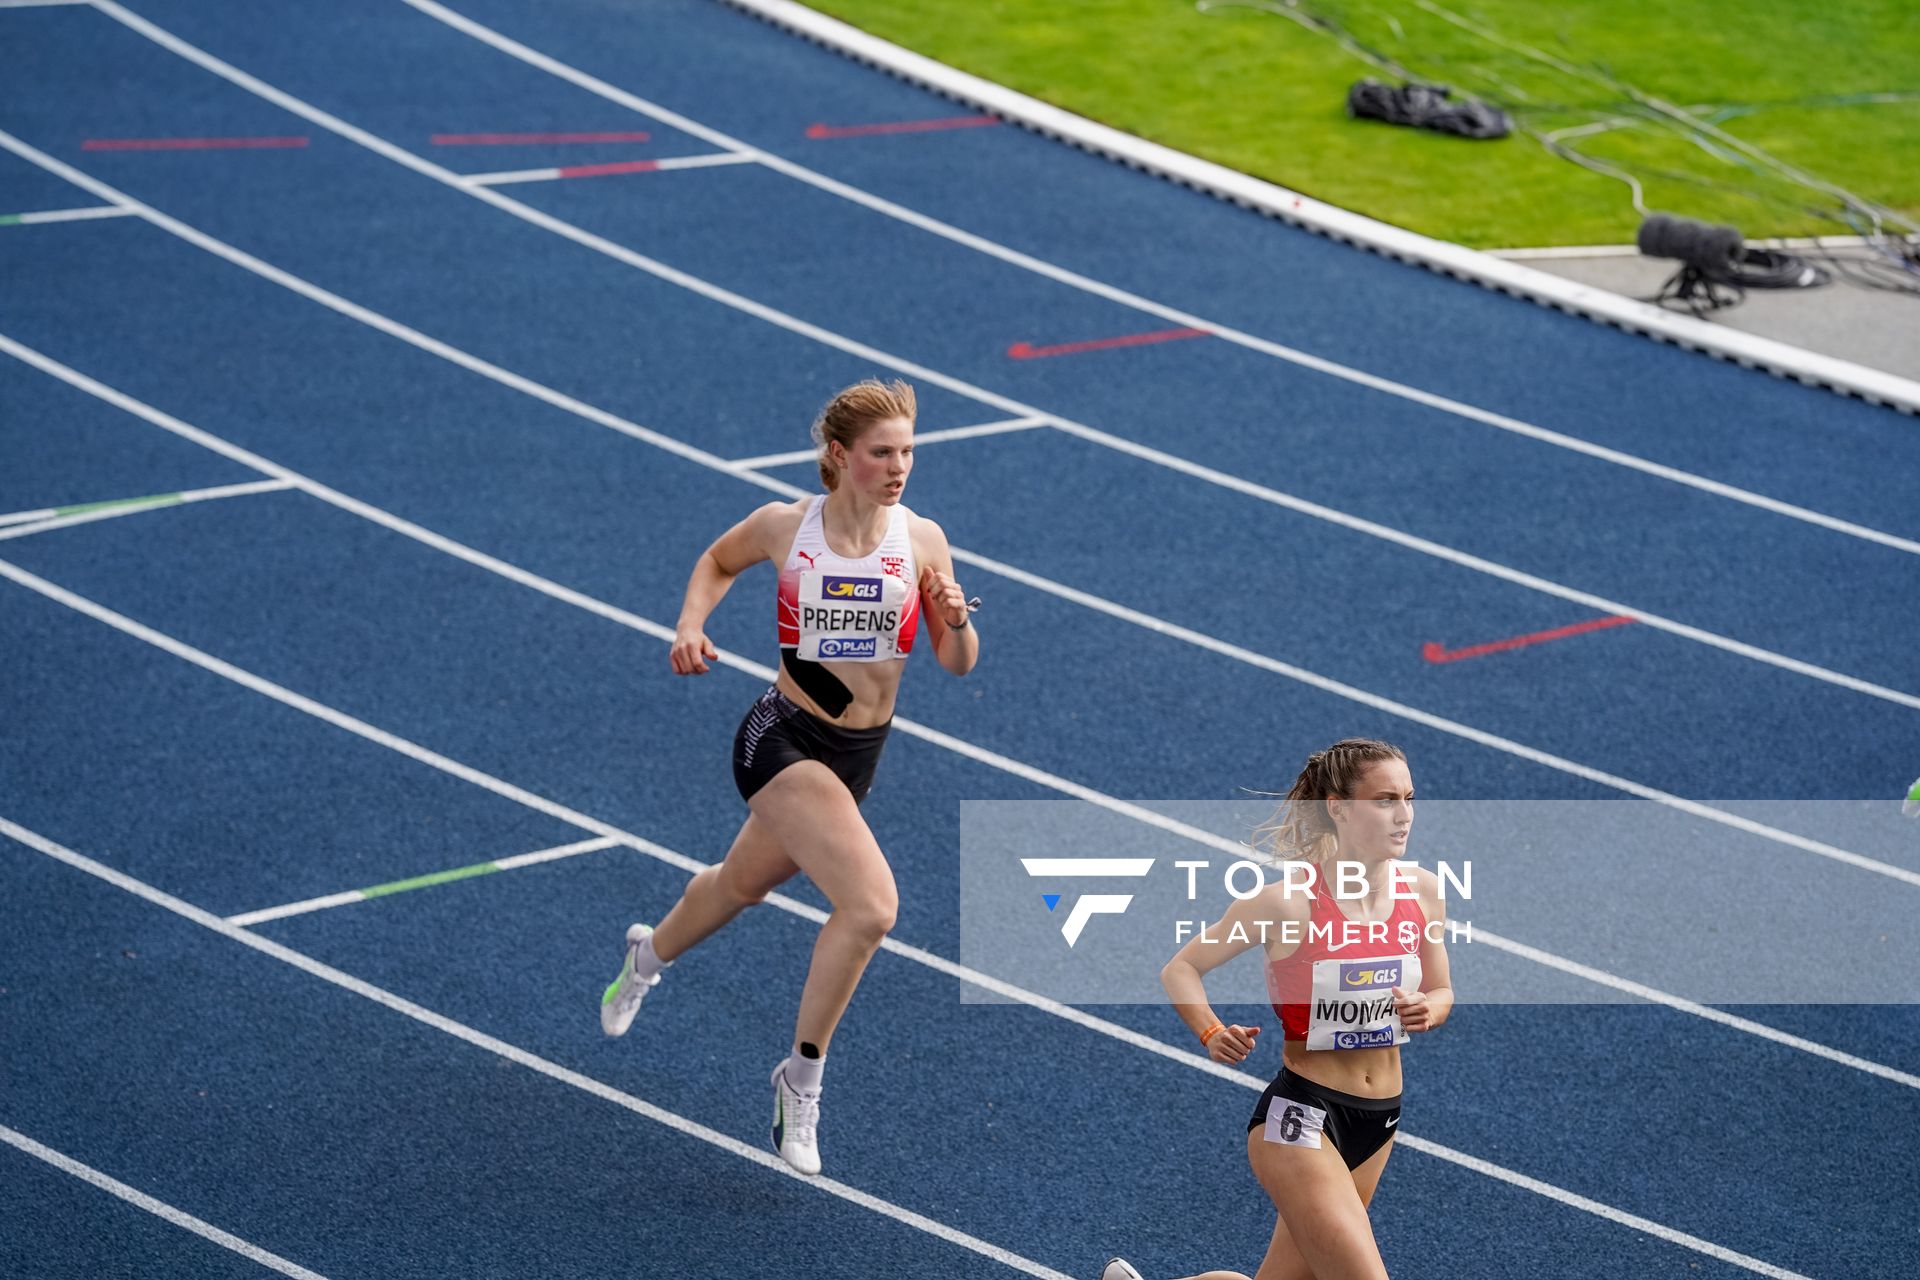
x=1366 y=1179
x=753 y=868
x=812 y=815
x=1284 y=1260
x=1323 y=1232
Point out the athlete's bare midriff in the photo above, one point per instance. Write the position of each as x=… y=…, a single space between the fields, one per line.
x=1365 y=1073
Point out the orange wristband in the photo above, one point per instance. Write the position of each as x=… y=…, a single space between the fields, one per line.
x=1212 y=1031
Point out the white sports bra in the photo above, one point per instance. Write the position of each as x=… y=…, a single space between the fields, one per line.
x=835 y=608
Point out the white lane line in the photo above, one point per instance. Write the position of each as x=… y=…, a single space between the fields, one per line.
x=88 y=214
x=669 y=164
x=991 y=759
x=509 y=176
x=266 y=914
x=1185 y=319
x=919 y=438
x=451 y=875
x=771 y=315
x=24 y=523
x=1711 y=1014
x=21 y=517
x=1066 y=868
x=513 y=1053
x=1492 y=569
x=38 y=4
x=567 y=595
x=710 y=161
x=1047 y=585
x=1511 y=1177
x=691 y=865
x=140 y=1199
x=554 y=854
x=1744 y=1261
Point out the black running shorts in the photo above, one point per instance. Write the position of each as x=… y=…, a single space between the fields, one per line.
x=776 y=733
x=1296 y=1112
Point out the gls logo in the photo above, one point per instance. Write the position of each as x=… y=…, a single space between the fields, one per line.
x=1089 y=905
x=1368 y=974
x=851 y=588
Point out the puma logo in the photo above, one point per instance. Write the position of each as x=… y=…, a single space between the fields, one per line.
x=804 y=556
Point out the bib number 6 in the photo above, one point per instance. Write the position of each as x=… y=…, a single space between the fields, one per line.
x=1294 y=1124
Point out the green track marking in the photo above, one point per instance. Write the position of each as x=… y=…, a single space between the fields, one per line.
x=155 y=500
x=9 y=219
x=426 y=881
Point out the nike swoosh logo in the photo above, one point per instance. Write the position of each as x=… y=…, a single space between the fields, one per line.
x=1393 y=1122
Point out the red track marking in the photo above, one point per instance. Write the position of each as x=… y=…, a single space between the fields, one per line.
x=189 y=144
x=817 y=131
x=1027 y=351
x=1439 y=653
x=529 y=139
x=599 y=170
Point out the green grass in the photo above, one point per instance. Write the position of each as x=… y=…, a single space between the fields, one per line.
x=1259 y=92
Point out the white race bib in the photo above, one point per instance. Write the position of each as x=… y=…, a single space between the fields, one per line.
x=1294 y=1124
x=1352 y=1004
x=850 y=617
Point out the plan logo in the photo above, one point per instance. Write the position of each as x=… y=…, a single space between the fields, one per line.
x=1087 y=905
x=859 y=647
x=1380 y=1039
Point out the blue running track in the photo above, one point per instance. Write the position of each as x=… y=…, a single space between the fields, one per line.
x=502 y=417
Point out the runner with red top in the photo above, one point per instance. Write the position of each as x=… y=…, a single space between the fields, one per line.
x=1356 y=961
x=859 y=575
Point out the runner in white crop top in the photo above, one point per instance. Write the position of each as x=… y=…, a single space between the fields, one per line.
x=848 y=608
x=862 y=578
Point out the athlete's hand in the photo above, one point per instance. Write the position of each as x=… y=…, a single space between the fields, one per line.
x=1232 y=1044
x=1415 y=1013
x=944 y=594
x=691 y=652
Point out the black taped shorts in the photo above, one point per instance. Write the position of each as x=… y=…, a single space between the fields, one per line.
x=776 y=733
x=1296 y=1112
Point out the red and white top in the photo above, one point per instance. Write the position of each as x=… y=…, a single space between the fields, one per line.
x=1335 y=989
x=835 y=608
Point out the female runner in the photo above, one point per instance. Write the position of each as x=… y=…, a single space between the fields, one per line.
x=858 y=573
x=1352 y=969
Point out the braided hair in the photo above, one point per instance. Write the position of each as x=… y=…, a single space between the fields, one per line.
x=1301 y=828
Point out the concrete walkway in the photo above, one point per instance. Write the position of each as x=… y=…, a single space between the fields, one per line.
x=1867 y=326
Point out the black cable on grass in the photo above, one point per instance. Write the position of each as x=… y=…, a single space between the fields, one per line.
x=1894 y=261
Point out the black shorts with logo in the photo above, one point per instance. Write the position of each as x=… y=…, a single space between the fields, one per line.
x=777 y=732
x=1294 y=1108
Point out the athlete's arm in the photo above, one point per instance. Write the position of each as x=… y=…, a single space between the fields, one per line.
x=1246 y=924
x=949 y=626
x=744 y=545
x=1427 y=1008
